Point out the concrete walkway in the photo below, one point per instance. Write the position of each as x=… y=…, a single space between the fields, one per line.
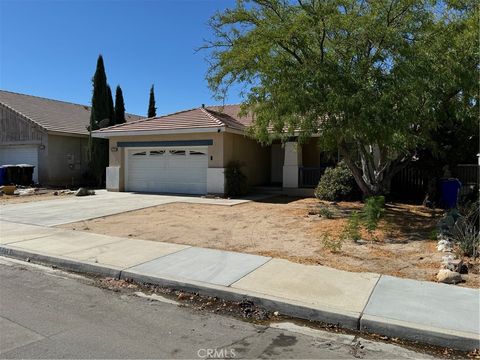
x=443 y=315
x=72 y=209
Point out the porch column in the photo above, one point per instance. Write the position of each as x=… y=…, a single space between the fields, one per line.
x=291 y=163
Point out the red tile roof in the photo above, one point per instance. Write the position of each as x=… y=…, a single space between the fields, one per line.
x=203 y=117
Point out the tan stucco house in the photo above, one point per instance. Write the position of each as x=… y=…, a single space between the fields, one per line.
x=48 y=134
x=187 y=152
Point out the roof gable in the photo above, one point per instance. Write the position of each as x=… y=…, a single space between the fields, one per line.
x=52 y=115
x=198 y=118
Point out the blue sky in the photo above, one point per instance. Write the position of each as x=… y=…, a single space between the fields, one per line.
x=50 y=48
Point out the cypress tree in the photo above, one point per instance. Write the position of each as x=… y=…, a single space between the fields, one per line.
x=111 y=110
x=152 y=110
x=119 y=106
x=100 y=116
x=100 y=108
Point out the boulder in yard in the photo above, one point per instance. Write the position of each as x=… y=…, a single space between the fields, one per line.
x=454 y=265
x=84 y=192
x=449 y=277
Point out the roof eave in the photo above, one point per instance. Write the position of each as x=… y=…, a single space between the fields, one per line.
x=65 y=133
x=119 y=133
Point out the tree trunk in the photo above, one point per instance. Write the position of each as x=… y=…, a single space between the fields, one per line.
x=374 y=173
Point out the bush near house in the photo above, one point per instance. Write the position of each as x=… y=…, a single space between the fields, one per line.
x=336 y=184
x=235 y=180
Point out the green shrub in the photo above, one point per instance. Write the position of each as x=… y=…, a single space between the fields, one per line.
x=330 y=244
x=325 y=212
x=372 y=211
x=465 y=232
x=446 y=224
x=322 y=211
x=235 y=180
x=336 y=183
x=352 y=228
x=433 y=235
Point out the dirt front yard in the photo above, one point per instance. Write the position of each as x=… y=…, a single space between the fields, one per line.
x=287 y=228
x=43 y=195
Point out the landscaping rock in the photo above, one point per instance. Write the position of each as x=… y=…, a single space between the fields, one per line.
x=455 y=265
x=445 y=246
x=84 y=192
x=361 y=242
x=449 y=277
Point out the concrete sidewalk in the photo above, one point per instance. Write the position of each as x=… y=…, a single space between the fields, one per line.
x=438 y=314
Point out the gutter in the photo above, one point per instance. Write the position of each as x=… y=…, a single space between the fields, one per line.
x=110 y=134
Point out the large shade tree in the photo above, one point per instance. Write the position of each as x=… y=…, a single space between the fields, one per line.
x=375 y=78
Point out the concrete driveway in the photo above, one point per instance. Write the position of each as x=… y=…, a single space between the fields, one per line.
x=104 y=203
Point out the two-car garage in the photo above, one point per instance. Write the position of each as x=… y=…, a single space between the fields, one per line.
x=166 y=169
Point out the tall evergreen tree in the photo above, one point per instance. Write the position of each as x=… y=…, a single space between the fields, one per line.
x=111 y=110
x=119 y=106
x=100 y=116
x=100 y=107
x=152 y=110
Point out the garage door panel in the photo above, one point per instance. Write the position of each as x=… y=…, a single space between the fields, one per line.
x=180 y=170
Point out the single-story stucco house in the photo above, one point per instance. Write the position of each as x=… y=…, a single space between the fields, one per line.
x=187 y=152
x=49 y=134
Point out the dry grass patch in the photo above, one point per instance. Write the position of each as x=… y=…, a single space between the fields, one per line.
x=284 y=227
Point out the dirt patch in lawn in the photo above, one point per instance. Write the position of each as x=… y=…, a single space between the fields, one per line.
x=284 y=227
x=45 y=195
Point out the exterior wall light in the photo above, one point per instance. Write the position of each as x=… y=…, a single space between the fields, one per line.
x=113 y=149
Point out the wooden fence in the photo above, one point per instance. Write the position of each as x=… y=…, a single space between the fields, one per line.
x=413 y=181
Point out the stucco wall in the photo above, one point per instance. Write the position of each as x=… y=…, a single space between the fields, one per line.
x=254 y=157
x=215 y=151
x=64 y=159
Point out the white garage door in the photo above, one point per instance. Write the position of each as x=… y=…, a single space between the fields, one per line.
x=21 y=154
x=169 y=170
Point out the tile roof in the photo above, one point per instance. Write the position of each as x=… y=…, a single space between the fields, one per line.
x=202 y=117
x=52 y=115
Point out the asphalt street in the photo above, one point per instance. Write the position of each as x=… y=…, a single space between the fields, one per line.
x=46 y=313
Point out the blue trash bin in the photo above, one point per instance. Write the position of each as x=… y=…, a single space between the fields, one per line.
x=11 y=174
x=449 y=192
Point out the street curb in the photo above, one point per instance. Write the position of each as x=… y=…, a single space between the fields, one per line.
x=424 y=334
x=61 y=262
x=349 y=320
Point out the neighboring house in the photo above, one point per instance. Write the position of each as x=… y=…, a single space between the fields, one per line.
x=49 y=134
x=187 y=152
